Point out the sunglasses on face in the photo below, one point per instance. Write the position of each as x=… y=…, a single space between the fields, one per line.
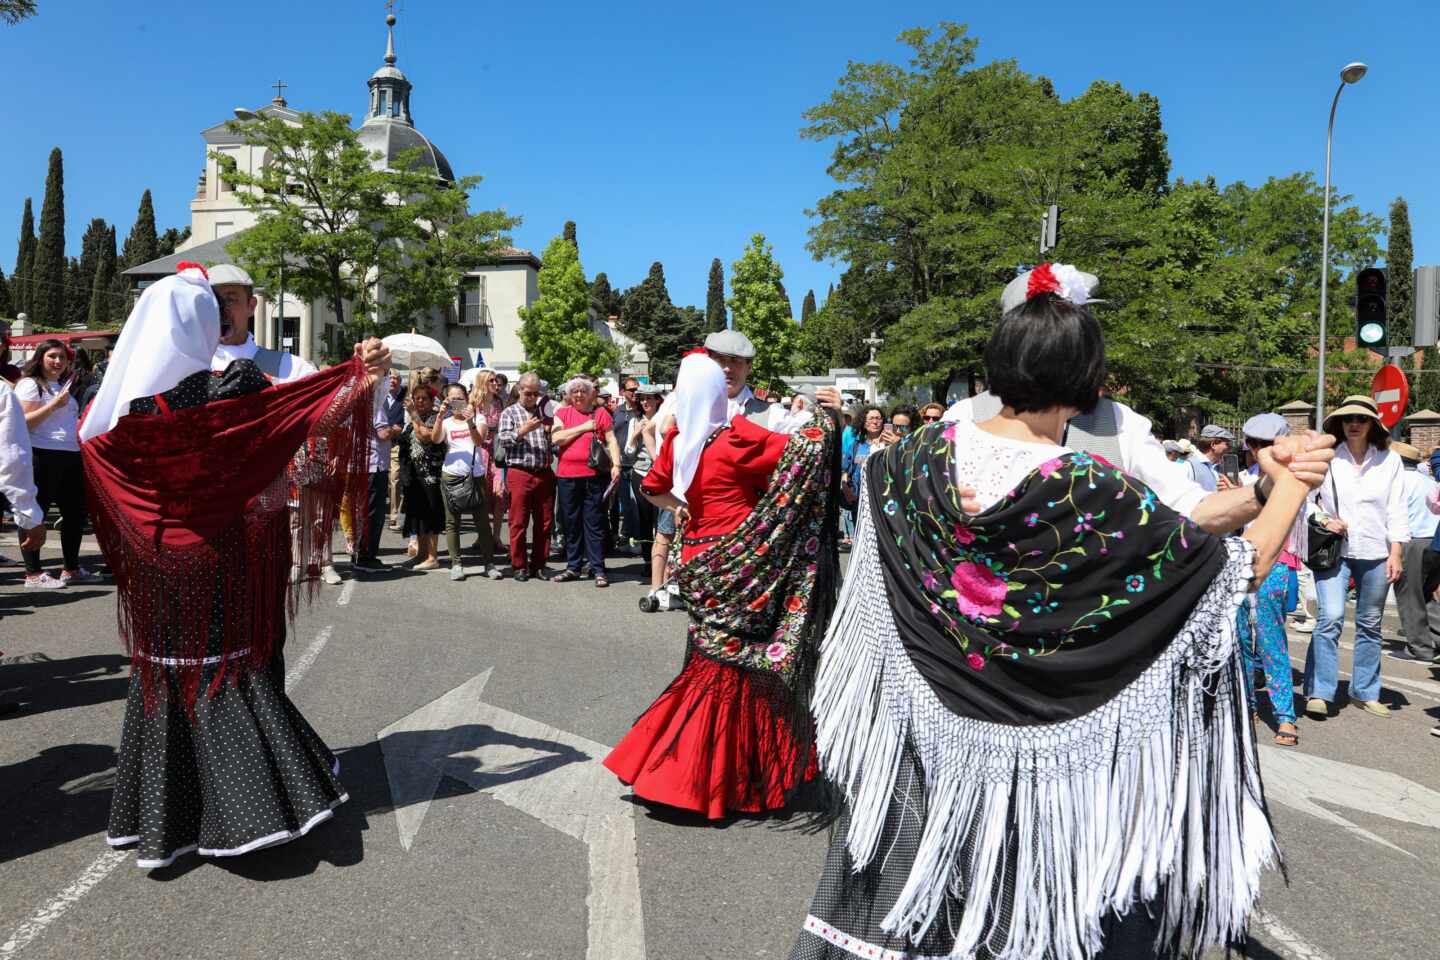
x=1355 y=418
x=931 y=417
x=900 y=427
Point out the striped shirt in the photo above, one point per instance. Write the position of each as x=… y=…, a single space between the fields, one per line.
x=530 y=452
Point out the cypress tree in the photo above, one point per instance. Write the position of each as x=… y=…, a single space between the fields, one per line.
x=170 y=241
x=1400 y=277
x=48 y=297
x=142 y=245
x=102 y=289
x=715 y=298
x=603 y=299
x=568 y=233
x=807 y=308
x=91 y=249
x=24 y=262
x=789 y=309
x=649 y=317
x=77 y=293
x=7 y=309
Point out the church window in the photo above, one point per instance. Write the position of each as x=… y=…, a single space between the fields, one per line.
x=384 y=102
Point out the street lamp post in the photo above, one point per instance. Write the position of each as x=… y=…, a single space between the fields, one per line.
x=1351 y=73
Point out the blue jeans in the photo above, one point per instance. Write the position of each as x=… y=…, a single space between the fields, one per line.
x=1322 y=661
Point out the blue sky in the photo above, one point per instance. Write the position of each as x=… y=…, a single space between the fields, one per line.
x=670 y=131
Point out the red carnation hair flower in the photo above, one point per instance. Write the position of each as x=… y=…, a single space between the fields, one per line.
x=1042 y=280
x=184 y=265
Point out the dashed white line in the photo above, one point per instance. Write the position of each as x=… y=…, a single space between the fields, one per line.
x=22 y=935
x=345 y=593
x=105 y=864
x=1286 y=939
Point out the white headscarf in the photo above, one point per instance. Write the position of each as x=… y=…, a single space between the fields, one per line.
x=701 y=407
x=171 y=334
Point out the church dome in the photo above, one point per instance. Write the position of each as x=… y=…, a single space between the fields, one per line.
x=389 y=130
x=390 y=139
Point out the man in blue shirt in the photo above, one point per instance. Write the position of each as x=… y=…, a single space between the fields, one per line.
x=1214 y=442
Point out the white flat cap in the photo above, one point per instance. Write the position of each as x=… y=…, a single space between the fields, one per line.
x=228 y=273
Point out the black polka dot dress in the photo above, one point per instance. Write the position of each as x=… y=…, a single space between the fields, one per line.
x=247 y=771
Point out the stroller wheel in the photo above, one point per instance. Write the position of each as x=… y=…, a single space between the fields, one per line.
x=648 y=604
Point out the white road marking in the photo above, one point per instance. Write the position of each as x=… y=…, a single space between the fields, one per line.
x=345 y=592
x=1286 y=939
x=101 y=868
x=1305 y=781
x=105 y=864
x=554 y=776
x=307 y=659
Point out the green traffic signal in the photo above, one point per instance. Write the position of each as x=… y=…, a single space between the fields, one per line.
x=1371 y=319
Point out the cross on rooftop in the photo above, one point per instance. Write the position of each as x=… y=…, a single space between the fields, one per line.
x=280 y=86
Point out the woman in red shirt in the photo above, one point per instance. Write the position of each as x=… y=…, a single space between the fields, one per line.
x=581 y=488
x=732 y=731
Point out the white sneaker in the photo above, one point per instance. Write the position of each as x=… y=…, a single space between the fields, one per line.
x=330 y=576
x=44 y=582
x=81 y=575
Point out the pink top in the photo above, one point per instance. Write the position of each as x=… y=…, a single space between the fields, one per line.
x=574 y=454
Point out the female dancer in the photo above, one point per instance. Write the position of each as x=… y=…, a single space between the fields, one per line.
x=1037 y=714
x=214 y=757
x=732 y=732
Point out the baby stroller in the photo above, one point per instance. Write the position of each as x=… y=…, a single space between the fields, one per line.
x=667 y=597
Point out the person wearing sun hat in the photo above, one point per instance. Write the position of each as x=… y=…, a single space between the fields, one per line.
x=1363 y=499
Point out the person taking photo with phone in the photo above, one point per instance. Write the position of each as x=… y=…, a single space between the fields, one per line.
x=52 y=416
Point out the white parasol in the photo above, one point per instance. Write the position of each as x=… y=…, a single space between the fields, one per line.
x=412 y=351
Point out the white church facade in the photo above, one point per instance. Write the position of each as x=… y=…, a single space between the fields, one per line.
x=481 y=326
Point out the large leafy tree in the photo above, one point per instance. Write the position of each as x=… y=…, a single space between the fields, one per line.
x=555 y=330
x=392 y=242
x=13 y=11
x=48 y=275
x=603 y=298
x=7 y=307
x=104 y=306
x=762 y=311
x=20 y=285
x=943 y=169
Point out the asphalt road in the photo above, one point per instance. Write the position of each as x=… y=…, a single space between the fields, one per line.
x=468 y=719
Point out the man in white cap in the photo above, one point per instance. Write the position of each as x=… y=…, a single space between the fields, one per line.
x=236 y=293
x=1123 y=437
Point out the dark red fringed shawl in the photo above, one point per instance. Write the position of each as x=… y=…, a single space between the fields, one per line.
x=190 y=509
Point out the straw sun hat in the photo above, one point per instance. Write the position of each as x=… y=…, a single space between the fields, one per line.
x=1357 y=405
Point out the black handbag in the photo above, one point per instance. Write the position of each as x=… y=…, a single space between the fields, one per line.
x=1325 y=544
x=599 y=458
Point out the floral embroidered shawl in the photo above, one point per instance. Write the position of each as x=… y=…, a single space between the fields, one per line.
x=1047 y=604
x=760 y=597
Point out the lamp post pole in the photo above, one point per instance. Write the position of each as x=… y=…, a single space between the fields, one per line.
x=1350 y=74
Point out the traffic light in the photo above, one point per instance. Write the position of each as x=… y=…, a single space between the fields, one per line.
x=1050 y=229
x=1371 y=310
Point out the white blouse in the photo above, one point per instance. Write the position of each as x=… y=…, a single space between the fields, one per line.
x=1371 y=501
x=993 y=466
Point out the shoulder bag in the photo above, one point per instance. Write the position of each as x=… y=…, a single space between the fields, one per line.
x=1325 y=544
x=599 y=458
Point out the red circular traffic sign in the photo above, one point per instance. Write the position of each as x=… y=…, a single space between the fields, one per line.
x=1391 y=392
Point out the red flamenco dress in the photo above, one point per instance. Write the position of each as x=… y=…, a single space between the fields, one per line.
x=720 y=738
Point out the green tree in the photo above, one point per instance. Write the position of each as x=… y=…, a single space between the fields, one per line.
x=568 y=233
x=92 y=242
x=49 y=272
x=559 y=341
x=13 y=11
x=24 y=263
x=171 y=239
x=393 y=242
x=7 y=307
x=647 y=315
x=807 y=308
x=103 y=303
x=762 y=311
x=715 y=298
x=603 y=299
x=141 y=244
x=1400 y=277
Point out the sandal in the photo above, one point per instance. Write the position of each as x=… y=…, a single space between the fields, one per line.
x=600 y=581
x=565 y=576
x=1287 y=738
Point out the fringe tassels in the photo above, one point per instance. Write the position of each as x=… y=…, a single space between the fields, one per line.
x=1154 y=797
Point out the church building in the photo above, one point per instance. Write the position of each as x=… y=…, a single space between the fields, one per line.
x=481 y=327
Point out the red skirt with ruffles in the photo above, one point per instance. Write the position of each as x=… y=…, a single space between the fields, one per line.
x=717 y=741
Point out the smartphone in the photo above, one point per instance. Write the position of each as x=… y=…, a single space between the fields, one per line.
x=1230 y=466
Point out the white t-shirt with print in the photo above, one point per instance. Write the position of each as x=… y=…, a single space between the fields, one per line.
x=459 y=448
x=59 y=429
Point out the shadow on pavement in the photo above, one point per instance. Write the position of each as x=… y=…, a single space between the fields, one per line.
x=43 y=684
x=59 y=795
